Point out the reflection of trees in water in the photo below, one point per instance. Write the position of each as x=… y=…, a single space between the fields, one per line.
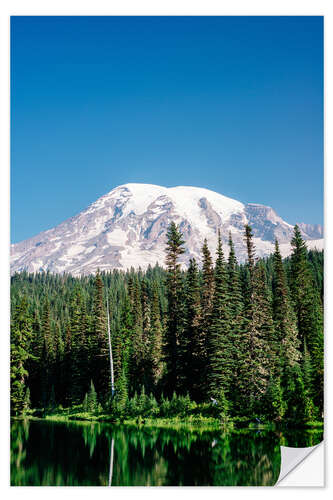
x=251 y=459
x=46 y=453
x=19 y=434
x=300 y=438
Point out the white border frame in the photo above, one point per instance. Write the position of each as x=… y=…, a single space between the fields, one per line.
x=145 y=7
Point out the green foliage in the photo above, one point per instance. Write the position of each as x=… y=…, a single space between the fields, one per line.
x=20 y=339
x=174 y=346
x=273 y=406
x=223 y=406
x=249 y=336
x=221 y=350
x=26 y=402
x=309 y=312
x=193 y=339
x=299 y=408
x=91 y=401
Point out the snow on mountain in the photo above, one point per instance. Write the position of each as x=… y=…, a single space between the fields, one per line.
x=313 y=231
x=127 y=227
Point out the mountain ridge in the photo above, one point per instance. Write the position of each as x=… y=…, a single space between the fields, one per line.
x=126 y=228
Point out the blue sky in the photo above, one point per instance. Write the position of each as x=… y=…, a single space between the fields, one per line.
x=233 y=104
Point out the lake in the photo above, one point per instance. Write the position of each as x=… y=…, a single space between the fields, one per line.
x=45 y=453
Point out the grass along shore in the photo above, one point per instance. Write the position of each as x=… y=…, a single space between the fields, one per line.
x=193 y=421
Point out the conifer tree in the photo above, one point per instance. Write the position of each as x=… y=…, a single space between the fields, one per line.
x=83 y=350
x=121 y=396
x=306 y=367
x=101 y=366
x=206 y=308
x=286 y=335
x=121 y=344
x=208 y=282
x=145 y=311
x=138 y=350
x=273 y=405
x=250 y=249
x=238 y=323
x=77 y=349
x=298 y=403
x=248 y=275
x=309 y=386
x=46 y=331
x=20 y=338
x=257 y=355
x=175 y=319
x=47 y=355
x=58 y=359
x=33 y=362
x=193 y=343
x=221 y=350
x=92 y=399
x=308 y=310
x=302 y=289
x=66 y=378
x=234 y=287
x=223 y=407
x=155 y=342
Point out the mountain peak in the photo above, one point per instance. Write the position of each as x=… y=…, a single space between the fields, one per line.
x=127 y=227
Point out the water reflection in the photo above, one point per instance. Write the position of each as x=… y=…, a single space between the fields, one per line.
x=85 y=454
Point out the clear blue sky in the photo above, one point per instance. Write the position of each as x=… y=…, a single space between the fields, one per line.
x=233 y=104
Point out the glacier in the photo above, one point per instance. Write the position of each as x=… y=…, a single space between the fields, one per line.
x=127 y=228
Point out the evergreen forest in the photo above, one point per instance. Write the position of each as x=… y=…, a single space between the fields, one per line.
x=219 y=340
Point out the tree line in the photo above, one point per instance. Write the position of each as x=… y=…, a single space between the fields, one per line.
x=246 y=338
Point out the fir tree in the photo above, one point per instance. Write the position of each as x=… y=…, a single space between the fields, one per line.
x=206 y=308
x=250 y=249
x=257 y=354
x=308 y=310
x=273 y=405
x=223 y=407
x=155 y=343
x=67 y=367
x=92 y=399
x=121 y=396
x=234 y=288
x=208 y=283
x=175 y=320
x=139 y=346
x=221 y=351
x=238 y=323
x=298 y=403
x=286 y=335
x=79 y=369
x=193 y=341
x=101 y=366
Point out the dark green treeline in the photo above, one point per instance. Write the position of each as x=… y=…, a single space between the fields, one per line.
x=247 y=338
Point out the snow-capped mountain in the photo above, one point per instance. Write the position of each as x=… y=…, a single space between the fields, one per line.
x=127 y=227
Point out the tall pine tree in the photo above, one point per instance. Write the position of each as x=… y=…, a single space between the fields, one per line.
x=175 y=319
x=308 y=309
x=221 y=349
x=194 y=361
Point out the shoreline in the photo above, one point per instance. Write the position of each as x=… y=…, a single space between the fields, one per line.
x=173 y=423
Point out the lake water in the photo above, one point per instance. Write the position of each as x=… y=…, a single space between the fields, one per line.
x=92 y=454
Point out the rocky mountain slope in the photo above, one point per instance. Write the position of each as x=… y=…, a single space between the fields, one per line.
x=127 y=227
